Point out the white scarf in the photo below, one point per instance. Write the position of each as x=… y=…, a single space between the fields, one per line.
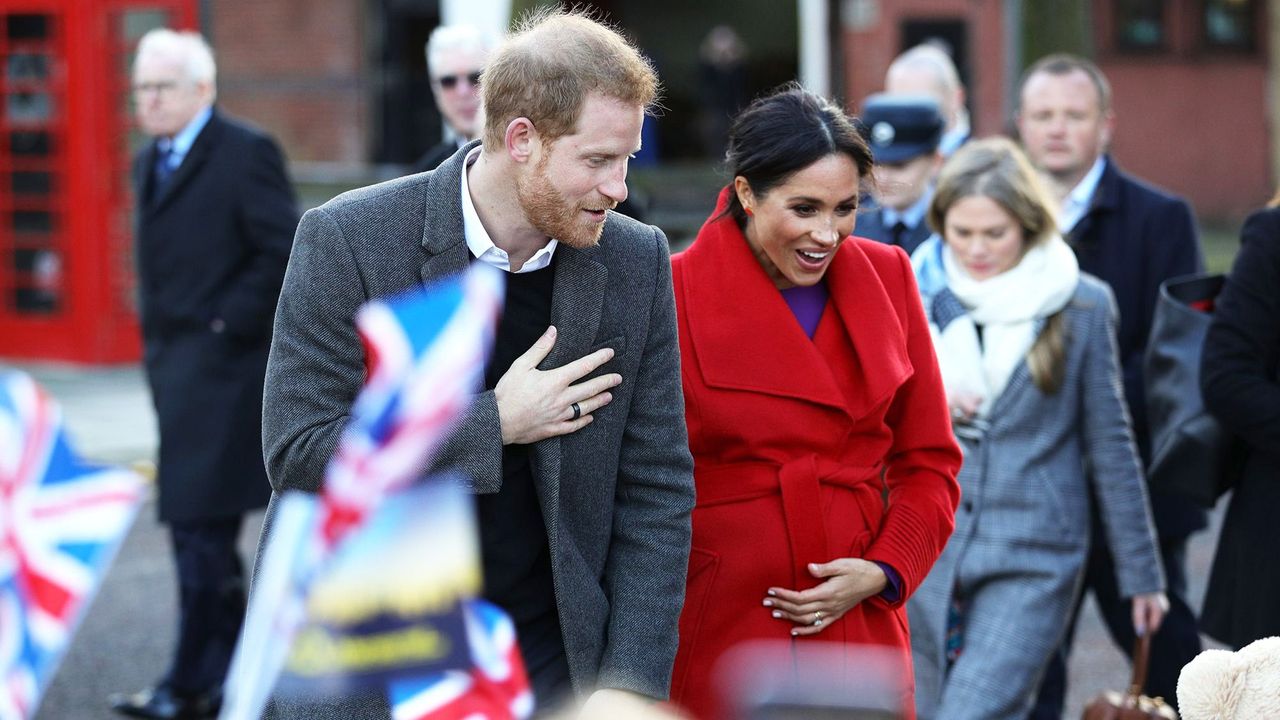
x=1009 y=307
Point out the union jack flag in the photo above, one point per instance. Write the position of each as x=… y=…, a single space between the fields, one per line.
x=426 y=352
x=61 y=520
x=494 y=688
x=425 y=358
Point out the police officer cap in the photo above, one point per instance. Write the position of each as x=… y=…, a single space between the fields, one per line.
x=901 y=127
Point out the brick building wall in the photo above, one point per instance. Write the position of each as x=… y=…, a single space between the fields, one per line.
x=1190 y=118
x=299 y=69
x=874 y=36
x=1197 y=129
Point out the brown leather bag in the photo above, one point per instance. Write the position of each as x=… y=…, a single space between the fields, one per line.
x=1131 y=704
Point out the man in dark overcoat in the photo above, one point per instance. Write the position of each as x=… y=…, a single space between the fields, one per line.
x=1134 y=237
x=215 y=221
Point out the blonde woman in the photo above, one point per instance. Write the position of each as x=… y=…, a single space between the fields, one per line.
x=1026 y=346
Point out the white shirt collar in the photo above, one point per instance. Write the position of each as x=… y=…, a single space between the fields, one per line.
x=478 y=240
x=1076 y=204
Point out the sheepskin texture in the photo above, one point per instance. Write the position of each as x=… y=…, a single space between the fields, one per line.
x=1225 y=685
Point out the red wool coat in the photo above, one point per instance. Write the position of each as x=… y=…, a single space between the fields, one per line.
x=790 y=440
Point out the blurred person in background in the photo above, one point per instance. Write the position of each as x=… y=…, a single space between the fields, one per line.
x=824 y=462
x=722 y=89
x=927 y=69
x=215 y=222
x=1133 y=237
x=1241 y=389
x=1026 y=344
x=903 y=132
x=456 y=55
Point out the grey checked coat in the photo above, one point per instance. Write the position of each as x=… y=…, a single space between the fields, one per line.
x=616 y=496
x=1022 y=531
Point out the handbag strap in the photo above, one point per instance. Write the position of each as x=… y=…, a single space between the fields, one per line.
x=1141 y=653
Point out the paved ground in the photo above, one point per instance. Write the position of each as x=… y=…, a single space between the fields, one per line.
x=128 y=633
x=126 y=637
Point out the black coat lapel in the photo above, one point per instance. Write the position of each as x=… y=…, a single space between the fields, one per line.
x=1105 y=198
x=144 y=176
x=191 y=163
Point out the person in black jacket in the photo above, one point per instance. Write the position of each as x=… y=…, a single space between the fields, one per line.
x=1238 y=378
x=215 y=221
x=1132 y=236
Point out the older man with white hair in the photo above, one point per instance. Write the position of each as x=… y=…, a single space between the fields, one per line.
x=215 y=221
x=456 y=55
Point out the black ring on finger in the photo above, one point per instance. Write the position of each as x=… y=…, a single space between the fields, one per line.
x=577 y=411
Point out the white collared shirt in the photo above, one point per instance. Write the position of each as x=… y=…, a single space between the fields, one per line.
x=1076 y=203
x=478 y=240
x=180 y=144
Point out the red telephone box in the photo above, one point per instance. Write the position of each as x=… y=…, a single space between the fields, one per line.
x=66 y=140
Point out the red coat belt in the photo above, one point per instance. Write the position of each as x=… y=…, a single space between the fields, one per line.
x=799 y=483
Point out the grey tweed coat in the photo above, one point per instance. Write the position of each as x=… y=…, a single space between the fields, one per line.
x=616 y=496
x=1022 y=531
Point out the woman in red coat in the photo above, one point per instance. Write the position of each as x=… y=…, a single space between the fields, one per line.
x=823 y=456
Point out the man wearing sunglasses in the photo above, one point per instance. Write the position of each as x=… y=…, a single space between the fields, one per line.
x=455 y=56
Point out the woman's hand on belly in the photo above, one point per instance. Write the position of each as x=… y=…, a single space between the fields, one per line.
x=848 y=581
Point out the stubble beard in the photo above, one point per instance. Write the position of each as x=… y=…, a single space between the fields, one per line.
x=554 y=216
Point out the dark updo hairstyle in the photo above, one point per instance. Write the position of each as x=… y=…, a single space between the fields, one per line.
x=785 y=132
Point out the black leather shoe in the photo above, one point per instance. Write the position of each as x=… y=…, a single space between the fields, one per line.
x=162 y=703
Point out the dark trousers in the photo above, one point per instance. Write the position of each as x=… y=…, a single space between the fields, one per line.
x=211 y=594
x=542 y=646
x=551 y=685
x=1177 y=642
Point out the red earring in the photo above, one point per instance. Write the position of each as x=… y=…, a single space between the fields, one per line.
x=748 y=211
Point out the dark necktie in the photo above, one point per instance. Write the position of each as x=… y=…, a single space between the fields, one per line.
x=163 y=170
x=898 y=232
